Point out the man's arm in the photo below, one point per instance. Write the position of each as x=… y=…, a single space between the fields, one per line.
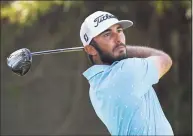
x=162 y=60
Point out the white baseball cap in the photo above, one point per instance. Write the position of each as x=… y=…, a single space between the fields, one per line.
x=98 y=22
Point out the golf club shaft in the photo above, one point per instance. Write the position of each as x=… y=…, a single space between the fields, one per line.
x=57 y=51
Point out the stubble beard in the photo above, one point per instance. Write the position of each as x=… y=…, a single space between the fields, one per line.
x=108 y=58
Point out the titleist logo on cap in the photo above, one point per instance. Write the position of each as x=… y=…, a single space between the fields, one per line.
x=102 y=18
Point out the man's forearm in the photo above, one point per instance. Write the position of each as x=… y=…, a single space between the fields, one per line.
x=143 y=52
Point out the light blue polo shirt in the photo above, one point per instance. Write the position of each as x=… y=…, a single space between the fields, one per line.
x=124 y=99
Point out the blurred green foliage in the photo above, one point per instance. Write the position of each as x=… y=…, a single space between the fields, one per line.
x=161 y=6
x=26 y=12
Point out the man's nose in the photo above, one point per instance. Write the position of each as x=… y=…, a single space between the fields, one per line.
x=117 y=38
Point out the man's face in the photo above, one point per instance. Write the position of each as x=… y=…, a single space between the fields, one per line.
x=111 y=45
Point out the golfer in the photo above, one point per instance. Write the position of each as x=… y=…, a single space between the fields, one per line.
x=122 y=76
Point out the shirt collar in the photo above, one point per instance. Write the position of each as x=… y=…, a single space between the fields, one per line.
x=90 y=72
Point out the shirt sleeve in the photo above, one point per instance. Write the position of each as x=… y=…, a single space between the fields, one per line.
x=142 y=69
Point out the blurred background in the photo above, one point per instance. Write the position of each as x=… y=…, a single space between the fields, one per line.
x=53 y=97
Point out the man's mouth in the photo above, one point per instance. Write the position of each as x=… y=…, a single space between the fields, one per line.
x=119 y=47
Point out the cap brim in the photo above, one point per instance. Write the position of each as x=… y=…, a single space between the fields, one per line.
x=125 y=23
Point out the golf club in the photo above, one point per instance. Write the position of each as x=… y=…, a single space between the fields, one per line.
x=20 y=61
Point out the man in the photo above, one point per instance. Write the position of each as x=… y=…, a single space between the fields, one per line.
x=121 y=78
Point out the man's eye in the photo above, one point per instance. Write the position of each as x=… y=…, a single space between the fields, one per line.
x=120 y=30
x=107 y=34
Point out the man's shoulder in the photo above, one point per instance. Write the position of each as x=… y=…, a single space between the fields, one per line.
x=125 y=64
x=94 y=70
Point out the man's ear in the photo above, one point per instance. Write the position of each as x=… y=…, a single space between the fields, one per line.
x=90 y=50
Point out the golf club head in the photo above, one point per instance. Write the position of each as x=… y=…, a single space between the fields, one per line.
x=20 y=61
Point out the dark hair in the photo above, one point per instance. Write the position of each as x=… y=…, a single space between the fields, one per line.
x=95 y=45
